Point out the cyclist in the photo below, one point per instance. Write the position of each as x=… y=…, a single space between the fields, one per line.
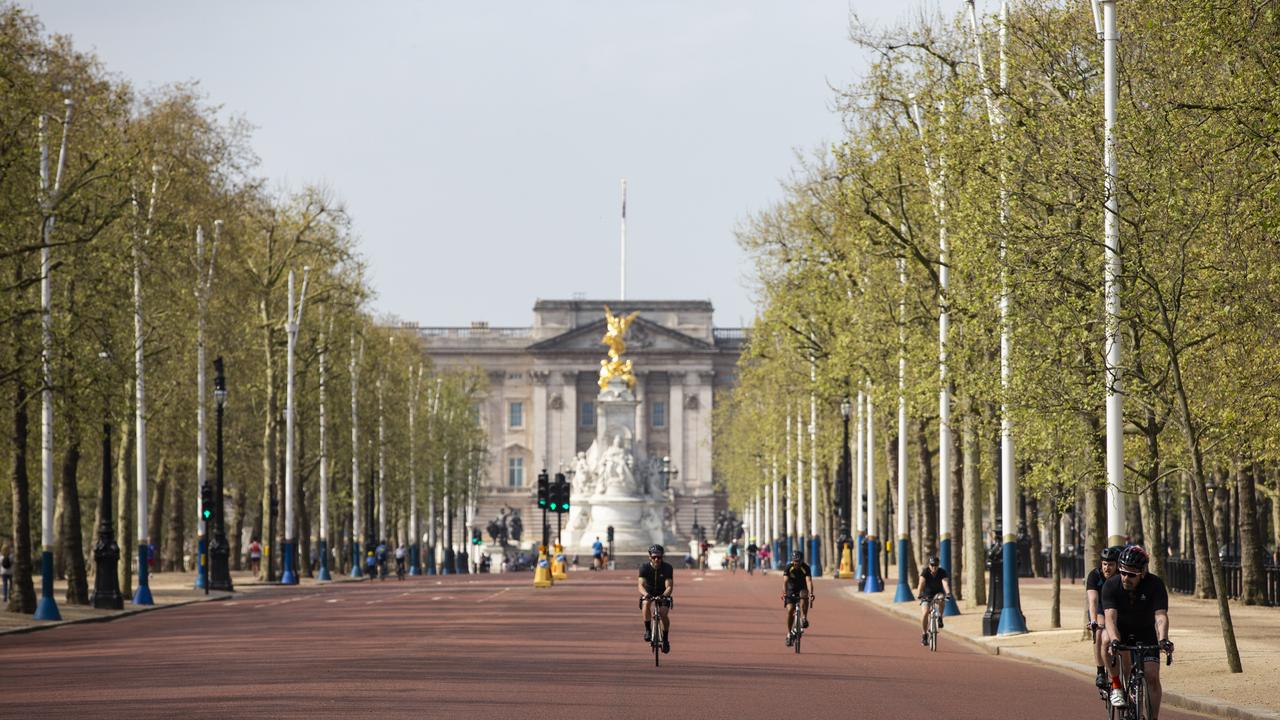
x=797 y=590
x=752 y=549
x=1135 y=605
x=733 y=556
x=1093 y=607
x=382 y=560
x=929 y=591
x=400 y=556
x=656 y=579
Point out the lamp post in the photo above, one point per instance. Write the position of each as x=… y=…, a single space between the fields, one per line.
x=106 y=553
x=843 y=487
x=219 y=550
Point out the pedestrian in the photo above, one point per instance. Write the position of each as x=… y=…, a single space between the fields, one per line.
x=6 y=570
x=382 y=559
x=597 y=554
x=370 y=564
x=255 y=556
x=765 y=562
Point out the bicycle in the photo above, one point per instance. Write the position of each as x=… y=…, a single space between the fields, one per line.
x=935 y=617
x=797 y=620
x=655 y=637
x=400 y=568
x=1138 y=705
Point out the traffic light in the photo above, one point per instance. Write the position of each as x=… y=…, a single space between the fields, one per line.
x=560 y=494
x=544 y=490
x=206 y=502
x=610 y=533
x=475 y=536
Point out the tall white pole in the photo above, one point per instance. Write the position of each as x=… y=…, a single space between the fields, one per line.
x=622 y=279
x=859 y=513
x=415 y=385
x=382 y=468
x=813 y=450
x=204 y=284
x=789 y=506
x=802 y=530
x=357 y=520
x=776 y=525
x=1116 y=531
x=871 y=468
x=902 y=401
x=47 y=609
x=142 y=595
x=292 y=321
x=324 y=455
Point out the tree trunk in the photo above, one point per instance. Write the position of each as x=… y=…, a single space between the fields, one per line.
x=72 y=548
x=124 y=508
x=928 y=494
x=974 y=548
x=1200 y=545
x=957 y=522
x=304 y=530
x=1151 y=501
x=22 y=598
x=1251 y=569
x=1055 y=563
x=1220 y=502
x=175 y=546
x=155 y=514
x=269 y=434
x=1191 y=433
x=1032 y=515
x=1094 y=525
x=59 y=560
x=236 y=525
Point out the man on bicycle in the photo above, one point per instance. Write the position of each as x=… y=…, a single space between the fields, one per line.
x=933 y=588
x=655 y=582
x=400 y=558
x=1135 y=606
x=1093 y=607
x=752 y=549
x=797 y=591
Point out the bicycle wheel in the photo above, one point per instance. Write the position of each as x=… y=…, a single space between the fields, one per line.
x=1138 y=700
x=657 y=642
x=933 y=630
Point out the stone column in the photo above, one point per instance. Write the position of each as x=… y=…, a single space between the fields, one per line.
x=676 y=430
x=538 y=423
x=642 y=419
x=703 y=448
x=569 y=428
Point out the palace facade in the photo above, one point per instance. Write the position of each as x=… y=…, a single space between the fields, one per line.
x=540 y=409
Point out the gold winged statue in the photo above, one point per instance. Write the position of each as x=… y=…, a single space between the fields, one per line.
x=615 y=367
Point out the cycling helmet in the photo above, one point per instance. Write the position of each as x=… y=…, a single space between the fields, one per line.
x=1134 y=556
x=797 y=556
x=934 y=561
x=1111 y=554
x=657 y=550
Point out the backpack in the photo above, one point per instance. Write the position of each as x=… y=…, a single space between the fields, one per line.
x=7 y=562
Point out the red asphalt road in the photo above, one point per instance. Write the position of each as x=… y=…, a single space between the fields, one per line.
x=491 y=646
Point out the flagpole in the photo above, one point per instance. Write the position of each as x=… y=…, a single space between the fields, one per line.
x=623 y=271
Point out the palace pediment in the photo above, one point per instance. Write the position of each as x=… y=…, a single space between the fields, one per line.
x=643 y=337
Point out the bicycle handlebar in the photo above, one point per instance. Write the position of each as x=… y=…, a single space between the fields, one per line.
x=1143 y=647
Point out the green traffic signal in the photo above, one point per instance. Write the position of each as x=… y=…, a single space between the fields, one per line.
x=207 y=514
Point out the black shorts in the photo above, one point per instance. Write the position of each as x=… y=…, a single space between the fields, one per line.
x=793 y=596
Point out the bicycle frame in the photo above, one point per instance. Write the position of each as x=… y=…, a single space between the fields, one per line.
x=1135 y=685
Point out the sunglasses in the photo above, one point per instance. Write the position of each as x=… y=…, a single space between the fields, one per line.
x=655 y=557
x=1126 y=573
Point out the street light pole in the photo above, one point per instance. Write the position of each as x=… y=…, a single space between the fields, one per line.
x=292 y=321
x=219 y=550
x=106 y=553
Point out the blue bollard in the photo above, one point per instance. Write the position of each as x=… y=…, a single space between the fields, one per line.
x=47 y=608
x=413 y=560
x=874 y=582
x=431 y=560
x=903 y=593
x=949 y=608
x=356 y=560
x=289 y=576
x=324 y=563
x=1012 y=621
x=202 y=564
x=142 y=594
x=815 y=556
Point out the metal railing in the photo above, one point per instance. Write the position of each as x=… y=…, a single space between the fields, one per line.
x=476 y=332
x=730 y=333
x=1180 y=577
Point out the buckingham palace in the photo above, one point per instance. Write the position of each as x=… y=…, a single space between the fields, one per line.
x=541 y=410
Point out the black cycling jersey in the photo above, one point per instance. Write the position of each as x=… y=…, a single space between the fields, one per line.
x=752 y=549
x=1095 y=581
x=933 y=581
x=655 y=578
x=1136 y=610
x=796 y=573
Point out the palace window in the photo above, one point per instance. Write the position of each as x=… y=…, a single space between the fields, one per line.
x=588 y=414
x=515 y=472
x=658 y=414
x=515 y=415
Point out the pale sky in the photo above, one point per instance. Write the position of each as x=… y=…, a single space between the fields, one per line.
x=479 y=144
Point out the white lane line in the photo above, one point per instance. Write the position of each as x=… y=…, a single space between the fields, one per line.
x=437 y=597
x=332 y=601
x=494 y=595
